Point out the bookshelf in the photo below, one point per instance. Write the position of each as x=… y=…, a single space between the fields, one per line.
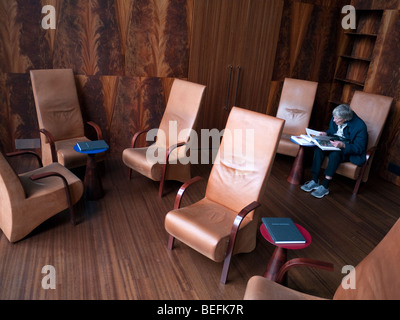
x=355 y=57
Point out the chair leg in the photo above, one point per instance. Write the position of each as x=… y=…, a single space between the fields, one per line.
x=357 y=187
x=360 y=177
x=161 y=188
x=232 y=238
x=229 y=254
x=70 y=205
x=171 y=241
x=162 y=180
x=225 y=268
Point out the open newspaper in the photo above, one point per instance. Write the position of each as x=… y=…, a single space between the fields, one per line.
x=314 y=137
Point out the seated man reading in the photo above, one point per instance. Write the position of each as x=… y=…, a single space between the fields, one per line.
x=352 y=140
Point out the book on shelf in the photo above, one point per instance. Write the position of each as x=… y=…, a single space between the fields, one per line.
x=315 y=137
x=283 y=231
x=92 y=145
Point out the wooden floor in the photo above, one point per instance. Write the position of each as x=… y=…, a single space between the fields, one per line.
x=119 y=248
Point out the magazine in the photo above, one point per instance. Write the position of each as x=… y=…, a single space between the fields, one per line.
x=315 y=137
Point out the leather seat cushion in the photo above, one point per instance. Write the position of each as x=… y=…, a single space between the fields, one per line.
x=346 y=169
x=136 y=159
x=205 y=226
x=260 y=288
x=287 y=147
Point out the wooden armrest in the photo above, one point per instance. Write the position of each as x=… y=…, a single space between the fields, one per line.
x=239 y=218
x=370 y=152
x=182 y=190
x=51 y=141
x=172 y=148
x=298 y=262
x=242 y=214
x=66 y=188
x=136 y=136
x=18 y=153
x=99 y=133
x=164 y=169
x=232 y=238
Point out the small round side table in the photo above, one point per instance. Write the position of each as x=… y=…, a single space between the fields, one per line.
x=279 y=257
x=92 y=181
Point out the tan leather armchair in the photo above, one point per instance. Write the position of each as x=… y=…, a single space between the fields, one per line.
x=224 y=222
x=59 y=117
x=28 y=199
x=374 y=110
x=375 y=277
x=182 y=110
x=295 y=107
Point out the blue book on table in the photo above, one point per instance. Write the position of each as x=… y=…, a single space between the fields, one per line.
x=92 y=145
x=283 y=230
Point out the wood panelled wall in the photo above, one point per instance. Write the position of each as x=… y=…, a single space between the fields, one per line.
x=308 y=46
x=125 y=54
x=311 y=39
x=384 y=78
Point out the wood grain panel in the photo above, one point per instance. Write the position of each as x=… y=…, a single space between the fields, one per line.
x=384 y=78
x=5 y=129
x=376 y=4
x=308 y=45
x=158 y=39
x=88 y=38
x=93 y=101
x=103 y=41
x=235 y=55
x=11 y=25
x=18 y=111
x=307 y=42
x=110 y=41
x=139 y=105
x=301 y=18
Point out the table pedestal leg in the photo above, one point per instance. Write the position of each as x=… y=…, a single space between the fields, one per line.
x=296 y=174
x=277 y=260
x=92 y=181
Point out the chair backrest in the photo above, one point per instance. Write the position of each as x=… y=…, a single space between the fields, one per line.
x=57 y=103
x=182 y=107
x=373 y=109
x=244 y=159
x=296 y=104
x=11 y=194
x=376 y=276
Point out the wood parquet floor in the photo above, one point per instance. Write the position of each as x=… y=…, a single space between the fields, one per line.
x=118 y=251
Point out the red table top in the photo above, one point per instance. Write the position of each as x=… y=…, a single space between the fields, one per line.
x=292 y=246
